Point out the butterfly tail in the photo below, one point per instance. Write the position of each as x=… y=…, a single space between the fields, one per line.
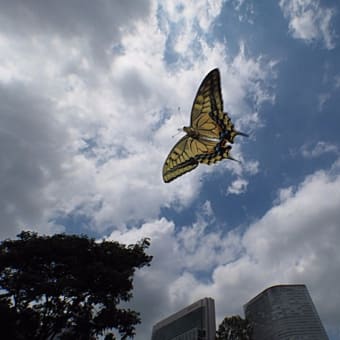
x=226 y=154
x=235 y=160
x=239 y=133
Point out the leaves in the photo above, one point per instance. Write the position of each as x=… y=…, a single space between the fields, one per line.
x=69 y=284
x=234 y=328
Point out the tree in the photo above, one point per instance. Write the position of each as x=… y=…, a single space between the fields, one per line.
x=67 y=286
x=234 y=328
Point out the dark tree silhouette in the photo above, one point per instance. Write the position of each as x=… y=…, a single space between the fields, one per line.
x=67 y=286
x=234 y=328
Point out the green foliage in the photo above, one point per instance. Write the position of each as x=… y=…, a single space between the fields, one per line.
x=67 y=286
x=234 y=328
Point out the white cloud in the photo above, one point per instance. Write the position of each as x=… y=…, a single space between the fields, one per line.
x=322 y=99
x=207 y=209
x=238 y=186
x=319 y=149
x=105 y=135
x=245 y=10
x=295 y=241
x=93 y=27
x=185 y=24
x=309 y=21
x=337 y=81
x=180 y=257
x=251 y=75
x=284 y=194
x=31 y=157
x=188 y=16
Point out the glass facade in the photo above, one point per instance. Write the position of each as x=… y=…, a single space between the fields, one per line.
x=285 y=312
x=195 y=322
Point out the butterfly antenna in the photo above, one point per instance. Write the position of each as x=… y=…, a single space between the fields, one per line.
x=179 y=131
x=239 y=133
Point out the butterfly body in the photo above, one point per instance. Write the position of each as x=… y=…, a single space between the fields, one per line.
x=207 y=137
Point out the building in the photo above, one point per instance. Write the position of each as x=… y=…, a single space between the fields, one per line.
x=195 y=322
x=284 y=312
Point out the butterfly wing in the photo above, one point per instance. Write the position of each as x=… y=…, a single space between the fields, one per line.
x=227 y=132
x=209 y=93
x=207 y=116
x=185 y=156
x=220 y=152
x=208 y=119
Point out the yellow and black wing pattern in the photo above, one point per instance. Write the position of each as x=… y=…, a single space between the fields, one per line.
x=207 y=116
x=181 y=159
x=209 y=132
x=188 y=153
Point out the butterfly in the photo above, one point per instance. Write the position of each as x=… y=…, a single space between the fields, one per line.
x=209 y=135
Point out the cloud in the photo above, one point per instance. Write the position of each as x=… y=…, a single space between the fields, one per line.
x=113 y=121
x=245 y=10
x=337 y=81
x=295 y=241
x=187 y=22
x=31 y=156
x=309 y=21
x=319 y=149
x=283 y=195
x=181 y=257
x=322 y=99
x=93 y=27
x=201 y=12
x=237 y=187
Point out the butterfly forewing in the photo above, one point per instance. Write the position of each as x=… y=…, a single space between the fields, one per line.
x=201 y=118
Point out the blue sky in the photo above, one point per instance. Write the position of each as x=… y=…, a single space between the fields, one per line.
x=89 y=101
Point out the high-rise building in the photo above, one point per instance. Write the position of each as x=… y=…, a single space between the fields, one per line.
x=284 y=312
x=195 y=322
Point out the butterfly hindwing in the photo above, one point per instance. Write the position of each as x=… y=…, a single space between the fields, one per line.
x=186 y=155
x=180 y=160
x=218 y=155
